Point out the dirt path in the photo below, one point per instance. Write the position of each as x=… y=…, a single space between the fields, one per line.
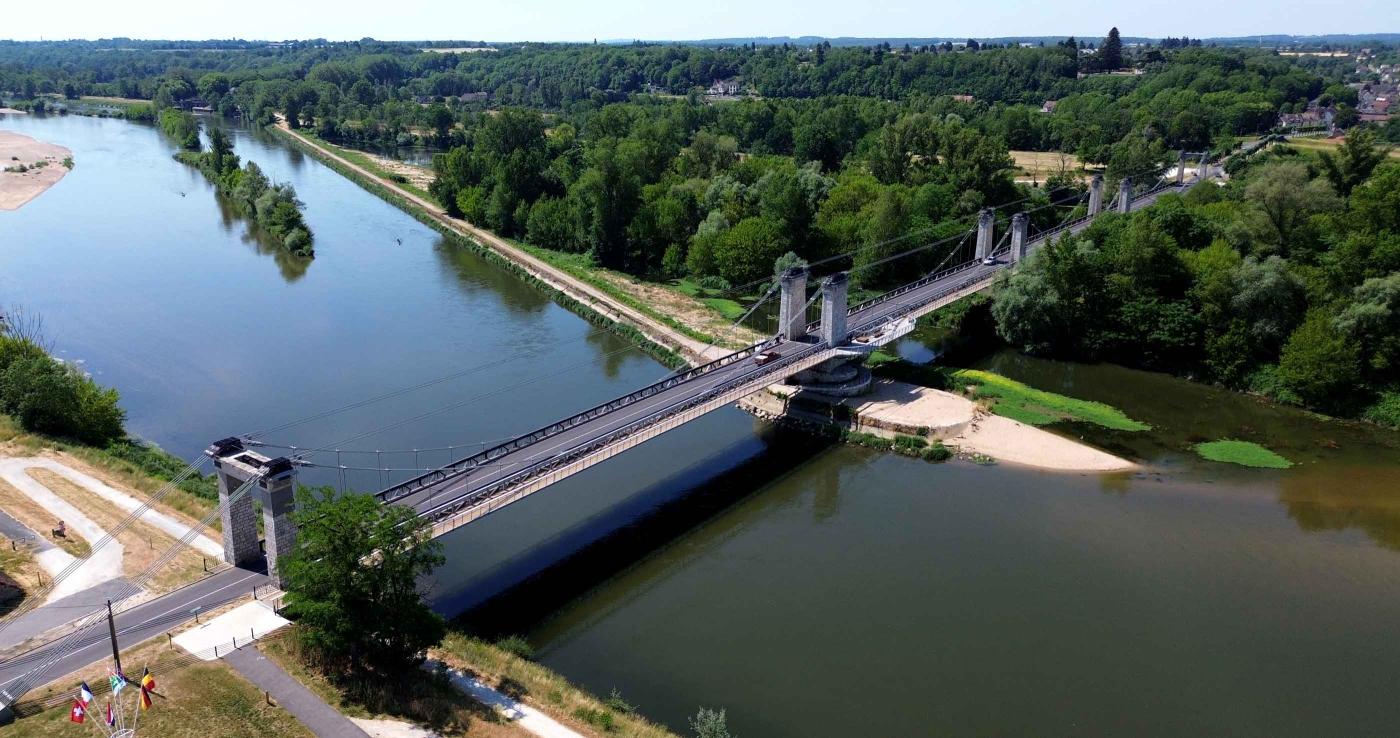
x=43 y=163
x=691 y=349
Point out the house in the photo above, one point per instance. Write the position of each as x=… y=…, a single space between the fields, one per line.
x=731 y=86
x=1049 y=106
x=474 y=97
x=964 y=98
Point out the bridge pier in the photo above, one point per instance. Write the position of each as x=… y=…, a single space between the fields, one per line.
x=1181 y=167
x=1096 y=195
x=275 y=489
x=834 y=289
x=1020 y=222
x=1125 y=195
x=792 y=304
x=986 y=222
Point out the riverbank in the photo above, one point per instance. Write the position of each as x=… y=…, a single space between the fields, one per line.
x=657 y=334
x=893 y=409
x=29 y=168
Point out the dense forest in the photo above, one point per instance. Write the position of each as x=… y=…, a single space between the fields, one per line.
x=1285 y=281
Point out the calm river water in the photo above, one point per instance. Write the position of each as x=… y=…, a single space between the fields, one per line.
x=810 y=590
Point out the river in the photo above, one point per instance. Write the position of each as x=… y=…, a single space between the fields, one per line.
x=810 y=590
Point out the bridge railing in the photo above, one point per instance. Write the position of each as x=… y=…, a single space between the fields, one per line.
x=437 y=476
x=898 y=291
x=544 y=466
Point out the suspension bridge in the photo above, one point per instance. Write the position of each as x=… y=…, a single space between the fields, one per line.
x=484 y=482
x=505 y=472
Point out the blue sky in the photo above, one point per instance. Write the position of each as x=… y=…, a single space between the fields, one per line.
x=584 y=20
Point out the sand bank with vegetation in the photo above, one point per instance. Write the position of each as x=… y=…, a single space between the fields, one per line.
x=28 y=167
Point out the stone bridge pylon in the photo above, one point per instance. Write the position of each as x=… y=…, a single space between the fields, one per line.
x=274 y=488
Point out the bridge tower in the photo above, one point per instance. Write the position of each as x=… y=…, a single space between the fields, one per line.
x=986 y=222
x=275 y=489
x=1181 y=168
x=792 y=304
x=1125 y=195
x=1096 y=195
x=1020 y=223
x=834 y=309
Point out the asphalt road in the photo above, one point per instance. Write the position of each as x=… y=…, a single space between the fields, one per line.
x=470 y=483
x=133 y=626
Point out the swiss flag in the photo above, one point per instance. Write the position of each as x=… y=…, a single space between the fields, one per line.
x=79 y=714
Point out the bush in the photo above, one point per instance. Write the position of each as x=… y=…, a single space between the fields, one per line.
x=517 y=646
x=49 y=397
x=600 y=719
x=937 y=453
x=616 y=703
x=906 y=444
x=1386 y=410
x=709 y=723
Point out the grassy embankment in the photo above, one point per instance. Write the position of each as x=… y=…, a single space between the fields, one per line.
x=141 y=467
x=196 y=700
x=661 y=353
x=1244 y=453
x=1006 y=397
x=711 y=311
x=429 y=699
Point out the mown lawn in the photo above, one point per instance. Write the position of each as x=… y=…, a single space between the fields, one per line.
x=1244 y=453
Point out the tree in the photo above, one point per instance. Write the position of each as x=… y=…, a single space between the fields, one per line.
x=351 y=581
x=1110 y=54
x=1285 y=198
x=1320 y=365
x=1355 y=159
x=221 y=151
x=747 y=251
x=441 y=120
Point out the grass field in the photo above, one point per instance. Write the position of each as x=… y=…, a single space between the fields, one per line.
x=1029 y=405
x=200 y=700
x=1243 y=453
x=1326 y=144
x=1043 y=164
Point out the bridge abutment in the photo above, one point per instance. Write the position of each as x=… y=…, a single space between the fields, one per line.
x=274 y=485
x=792 y=304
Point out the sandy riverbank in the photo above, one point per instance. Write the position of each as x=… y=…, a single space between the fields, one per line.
x=18 y=188
x=893 y=407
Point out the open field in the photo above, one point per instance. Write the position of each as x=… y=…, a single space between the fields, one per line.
x=1040 y=165
x=1327 y=144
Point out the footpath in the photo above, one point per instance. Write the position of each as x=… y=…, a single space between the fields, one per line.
x=692 y=350
x=318 y=717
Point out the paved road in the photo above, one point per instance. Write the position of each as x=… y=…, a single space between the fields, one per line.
x=60 y=612
x=290 y=695
x=133 y=626
x=471 y=484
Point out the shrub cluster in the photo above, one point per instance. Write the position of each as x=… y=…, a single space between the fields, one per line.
x=50 y=397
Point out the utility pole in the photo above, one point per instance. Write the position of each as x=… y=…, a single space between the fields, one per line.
x=112 y=630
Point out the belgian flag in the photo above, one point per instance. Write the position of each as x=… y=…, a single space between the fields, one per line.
x=148 y=682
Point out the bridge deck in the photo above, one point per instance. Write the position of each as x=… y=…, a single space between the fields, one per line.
x=500 y=476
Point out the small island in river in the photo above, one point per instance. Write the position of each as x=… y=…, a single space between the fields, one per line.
x=28 y=167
